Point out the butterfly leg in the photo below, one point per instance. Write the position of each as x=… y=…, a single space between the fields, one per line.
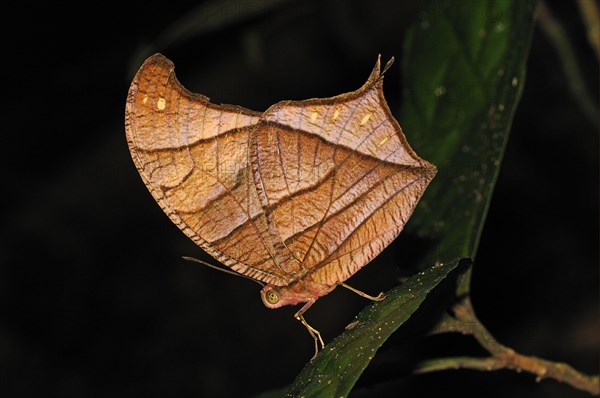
x=313 y=332
x=379 y=297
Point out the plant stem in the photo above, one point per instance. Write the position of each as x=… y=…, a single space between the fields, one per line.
x=434 y=365
x=502 y=357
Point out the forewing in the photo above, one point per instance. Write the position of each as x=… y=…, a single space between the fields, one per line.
x=193 y=157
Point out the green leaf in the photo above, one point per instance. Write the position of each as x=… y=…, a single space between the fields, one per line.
x=464 y=68
x=463 y=71
x=338 y=366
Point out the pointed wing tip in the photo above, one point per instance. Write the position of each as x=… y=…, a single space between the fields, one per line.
x=388 y=65
x=377 y=73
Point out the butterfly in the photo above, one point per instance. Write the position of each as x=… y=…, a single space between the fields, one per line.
x=298 y=198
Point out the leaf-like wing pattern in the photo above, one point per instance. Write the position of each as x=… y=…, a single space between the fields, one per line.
x=316 y=187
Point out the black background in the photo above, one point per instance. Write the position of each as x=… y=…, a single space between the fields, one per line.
x=95 y=298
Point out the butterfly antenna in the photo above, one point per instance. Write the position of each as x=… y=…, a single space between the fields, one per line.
x=195 y=260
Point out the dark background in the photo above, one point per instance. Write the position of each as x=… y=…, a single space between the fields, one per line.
x=95 y=298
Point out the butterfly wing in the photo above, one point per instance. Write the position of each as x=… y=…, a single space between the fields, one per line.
x=318 y=186
x=193 y=157
x=338 y=178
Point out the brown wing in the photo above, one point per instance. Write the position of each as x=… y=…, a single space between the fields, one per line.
x=193 y=157
x=337 y=179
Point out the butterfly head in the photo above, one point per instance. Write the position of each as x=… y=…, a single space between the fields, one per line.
x=278 y=296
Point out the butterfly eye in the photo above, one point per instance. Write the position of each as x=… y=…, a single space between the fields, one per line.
x=272 y=297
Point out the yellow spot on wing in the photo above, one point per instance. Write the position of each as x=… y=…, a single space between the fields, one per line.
x=145 y=99
x=161 y=104
x=365 y=118
x=384 y=140
x=336 y=113
x=314 y=116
